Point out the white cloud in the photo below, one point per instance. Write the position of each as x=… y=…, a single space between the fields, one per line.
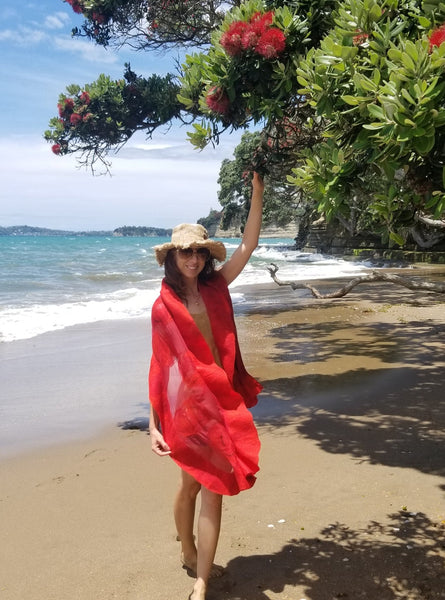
x=85 y=49
x=23 y=36
x=153 y=189
x=7 y=35
x=29 y=35
x=57 y=20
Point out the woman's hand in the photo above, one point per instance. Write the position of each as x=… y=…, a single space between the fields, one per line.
x=257 y=183
x=158 y=444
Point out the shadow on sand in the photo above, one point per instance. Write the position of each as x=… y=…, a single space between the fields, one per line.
x=392 y=416
x=346 y=564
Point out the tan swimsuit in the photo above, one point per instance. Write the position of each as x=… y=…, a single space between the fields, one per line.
x=203 y=323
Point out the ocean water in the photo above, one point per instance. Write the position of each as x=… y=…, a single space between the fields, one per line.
x=48 y=283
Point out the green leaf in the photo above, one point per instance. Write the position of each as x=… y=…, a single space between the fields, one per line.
x=440 y=208
x=424 y=144
x=412 y=51
x=395 y=55
x=398 y=239
x=408 y=96
x=353 y=100
x=348 y=53
x=376 y=111
x=375 y=13
x=408 y=62
x=367 y=84
x=432 y=85
x=432 y=201
x=376 y=76
x=424 y=22
x=373 y=126
x=419 y=132
x=188 y=102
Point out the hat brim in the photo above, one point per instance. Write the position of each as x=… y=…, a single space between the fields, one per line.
x=217 y=249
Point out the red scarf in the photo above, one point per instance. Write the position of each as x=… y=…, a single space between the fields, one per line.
x=201 y=406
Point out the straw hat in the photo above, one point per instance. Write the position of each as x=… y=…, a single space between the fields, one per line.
x=188 y=235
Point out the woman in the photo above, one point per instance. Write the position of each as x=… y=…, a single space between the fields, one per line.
x=199 y=388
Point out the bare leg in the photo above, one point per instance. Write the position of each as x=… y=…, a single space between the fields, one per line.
x=209 y=524
x=184 y=511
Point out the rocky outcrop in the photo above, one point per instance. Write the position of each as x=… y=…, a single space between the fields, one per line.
x=329 y=238
x=267 y=231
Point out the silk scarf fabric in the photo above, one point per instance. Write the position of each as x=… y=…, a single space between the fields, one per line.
x=203 y=407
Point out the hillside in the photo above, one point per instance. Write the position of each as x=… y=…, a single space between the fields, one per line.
x=126 y=231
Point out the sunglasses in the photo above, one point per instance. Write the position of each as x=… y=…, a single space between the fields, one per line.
x=189 y=252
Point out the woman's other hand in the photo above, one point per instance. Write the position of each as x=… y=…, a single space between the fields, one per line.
x=158 y=444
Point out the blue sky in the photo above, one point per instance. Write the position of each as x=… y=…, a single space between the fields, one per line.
x=159 y=182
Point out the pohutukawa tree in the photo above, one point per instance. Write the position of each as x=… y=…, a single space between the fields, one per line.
x=103 y=115
x=349 y=95
x=150 y=25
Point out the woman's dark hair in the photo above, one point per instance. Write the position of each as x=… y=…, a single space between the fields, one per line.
x=174 y=278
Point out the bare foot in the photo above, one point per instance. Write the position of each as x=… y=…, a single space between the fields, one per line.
x=190 y=567
x=198 y=592
x=196 y=596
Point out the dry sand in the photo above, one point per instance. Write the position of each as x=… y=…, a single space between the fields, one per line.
x=349 y=501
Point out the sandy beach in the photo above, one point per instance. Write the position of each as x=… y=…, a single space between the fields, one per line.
x=350 y=499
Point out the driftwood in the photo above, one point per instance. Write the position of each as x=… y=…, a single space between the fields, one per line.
x=426 y=286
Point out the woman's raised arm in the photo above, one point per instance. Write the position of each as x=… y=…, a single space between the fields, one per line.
x=236 y=263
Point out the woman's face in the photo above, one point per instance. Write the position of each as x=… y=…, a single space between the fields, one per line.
x=191 y=261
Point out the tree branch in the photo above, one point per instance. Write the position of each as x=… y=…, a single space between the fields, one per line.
x=440 y=223
x=437 y=288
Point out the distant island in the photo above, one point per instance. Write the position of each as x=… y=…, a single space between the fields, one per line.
x=126 y=231
x=211 y=223
x=132 y=231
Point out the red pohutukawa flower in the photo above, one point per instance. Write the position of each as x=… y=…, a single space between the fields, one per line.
x=360 y=38
x=437 y=37
x=258 y=35
x=75 y=119
x=256 y=27
x=76 y=6
x=56 y=148
x=217 y=100
x=250 y=38
x=65 y=107
x=231 y=40
x=271 y=43
x=85 y=97
x=99 y=18
x=263 y=19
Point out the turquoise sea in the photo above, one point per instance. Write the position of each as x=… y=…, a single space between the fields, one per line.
x=52 y=282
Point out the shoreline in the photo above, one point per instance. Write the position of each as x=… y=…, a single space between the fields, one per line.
x=68 y=370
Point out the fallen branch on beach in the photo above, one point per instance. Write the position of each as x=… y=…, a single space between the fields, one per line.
x=426 y=286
